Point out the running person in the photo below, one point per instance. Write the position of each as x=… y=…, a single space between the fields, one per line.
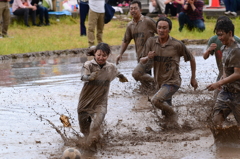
x=228 y=99
x=164 y=53
x=139 y=29
x=92 y=107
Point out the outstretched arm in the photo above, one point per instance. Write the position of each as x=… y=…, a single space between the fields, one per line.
x=123 y=49
x=193 y=69
x=233 y=77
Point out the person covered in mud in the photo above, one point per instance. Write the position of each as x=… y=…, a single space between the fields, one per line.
x=139 y=29
x=97 y=75
x=163 y=53
x=228 y=98
x=213 y=47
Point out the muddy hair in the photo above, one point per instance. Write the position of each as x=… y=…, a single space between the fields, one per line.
x=136 y=2
x=166 y=20
x=101 y=46
x=221 y=18
x=224 y=25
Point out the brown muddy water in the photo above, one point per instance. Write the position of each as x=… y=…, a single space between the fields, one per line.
x=35 y=92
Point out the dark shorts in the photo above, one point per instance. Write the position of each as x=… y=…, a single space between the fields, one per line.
x=226 y=103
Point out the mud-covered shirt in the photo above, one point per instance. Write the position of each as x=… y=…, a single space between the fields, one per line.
x=167 y=59
x=140 y=32
x=218 y=53
x=231 y=59
x=95 y=93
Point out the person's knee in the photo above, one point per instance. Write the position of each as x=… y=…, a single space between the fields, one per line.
x=137 y=73
x=217 y=119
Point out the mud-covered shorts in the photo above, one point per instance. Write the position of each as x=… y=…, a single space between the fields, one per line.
x=226 y=103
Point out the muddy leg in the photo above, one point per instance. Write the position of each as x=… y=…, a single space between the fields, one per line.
x=140 y=72
x=218 y=119
x=95 y=126
x=160 y=100
x=84 y=120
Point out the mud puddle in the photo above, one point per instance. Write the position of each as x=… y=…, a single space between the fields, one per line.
x=49 y=87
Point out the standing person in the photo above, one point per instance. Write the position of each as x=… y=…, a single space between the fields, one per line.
x=97 y=75
x=230 y=8
x=164 y=52
x=4 y=17
x=192 y=15
x=83 y=11
x=228 y=99
x=160 y=5
x=95 y=20
x=42 y=11
x=213 y=47
x=24 y=7
x=139 y=29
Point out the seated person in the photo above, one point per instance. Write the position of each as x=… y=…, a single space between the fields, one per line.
x=24 y=7
x=42 y=11
x=192 y=15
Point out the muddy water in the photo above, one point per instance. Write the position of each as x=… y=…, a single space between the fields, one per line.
x=48 y=87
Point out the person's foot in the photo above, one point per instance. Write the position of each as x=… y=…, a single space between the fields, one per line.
x=1 y=37
x=180 y=29
x=40 y=24
x=47 y=24
x=227 y=12
x=233 y=13
x=36 y=25
x=7 y=36
x=27 y=25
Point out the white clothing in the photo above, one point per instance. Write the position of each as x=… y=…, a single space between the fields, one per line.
x=97 y=5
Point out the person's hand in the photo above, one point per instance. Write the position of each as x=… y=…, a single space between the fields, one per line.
x=151 y=54
x=92 y=76
x=194 y=83
x=119 y=58
x=190 y=1
x=122 y=78
x=34 y=8
x=214 y=86
x=212 y=47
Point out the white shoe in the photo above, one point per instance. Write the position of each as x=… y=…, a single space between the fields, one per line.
x=1 y=37
x=234 y=13
x=228 y=12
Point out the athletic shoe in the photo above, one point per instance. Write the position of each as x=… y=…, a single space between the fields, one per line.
x=227 y=12
x=234 y=13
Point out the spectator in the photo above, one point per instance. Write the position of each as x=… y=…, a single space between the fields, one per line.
x=230 y=9
x=42 y=11
x=228 y=99
x=95 y=20
x=160 y=5
x=163 y=52
x=24 y=7
x=83 y=11
x=192 y=15
x=174 y=6
x=214 y=45
x=4 y=18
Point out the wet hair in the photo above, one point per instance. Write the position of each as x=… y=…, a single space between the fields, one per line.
x=166 y=20
x=136 y=2
x=221 y=18
x=104 y=47
x=225 y=25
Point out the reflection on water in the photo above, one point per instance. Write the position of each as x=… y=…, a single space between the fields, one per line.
x=40 y=70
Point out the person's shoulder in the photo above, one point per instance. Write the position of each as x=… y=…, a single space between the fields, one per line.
x=110 y=64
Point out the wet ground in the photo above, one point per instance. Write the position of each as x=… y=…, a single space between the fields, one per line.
x=38 y=90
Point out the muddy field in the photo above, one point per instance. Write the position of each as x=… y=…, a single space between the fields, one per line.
x=35 y=92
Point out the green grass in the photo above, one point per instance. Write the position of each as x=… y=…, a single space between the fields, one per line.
x=65 y=34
